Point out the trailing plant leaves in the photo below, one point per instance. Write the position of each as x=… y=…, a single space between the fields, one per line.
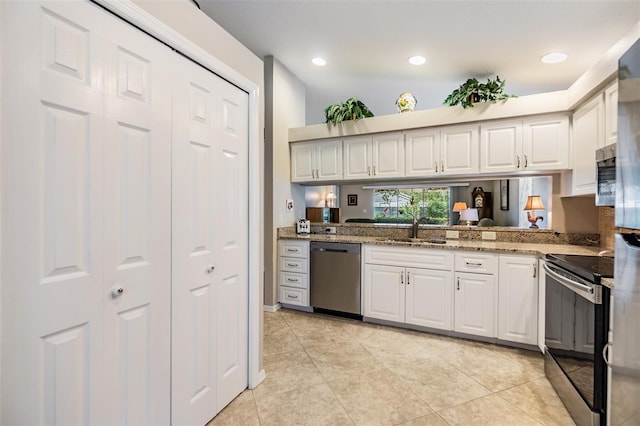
x=351 y=109
x=492 y=90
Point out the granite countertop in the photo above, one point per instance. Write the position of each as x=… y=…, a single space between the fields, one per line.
x=496 y=246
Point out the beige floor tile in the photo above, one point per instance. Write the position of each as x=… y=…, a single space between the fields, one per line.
x=341 y=360
x=485 y=365
x=313 y=405
x=439 y=384
x=539 y=400
x=288 y=371
x=319 y=335
x=281 y=341
x=241 y=411
x=273 y=322
x=489 y=410
x=378 y=398
x=399 y=354
x=429 y=420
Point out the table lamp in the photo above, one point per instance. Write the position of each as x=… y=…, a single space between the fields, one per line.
x=470 y=215
x=534 y=202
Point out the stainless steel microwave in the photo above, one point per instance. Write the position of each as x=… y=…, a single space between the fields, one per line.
x=606 y=176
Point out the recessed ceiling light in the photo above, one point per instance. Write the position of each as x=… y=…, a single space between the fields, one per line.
x=417 y=60
x=553 y=58
x=319 y=61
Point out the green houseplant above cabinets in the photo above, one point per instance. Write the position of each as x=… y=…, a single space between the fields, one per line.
x=473 y=91
x=351 y=109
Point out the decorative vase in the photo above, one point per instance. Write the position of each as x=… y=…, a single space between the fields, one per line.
x=406 y=102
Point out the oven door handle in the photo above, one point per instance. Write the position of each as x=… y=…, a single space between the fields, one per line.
x=566 y=281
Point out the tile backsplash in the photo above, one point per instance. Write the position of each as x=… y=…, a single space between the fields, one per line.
x=607 y=227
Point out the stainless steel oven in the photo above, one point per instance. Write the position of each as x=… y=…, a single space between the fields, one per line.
x=576 y=332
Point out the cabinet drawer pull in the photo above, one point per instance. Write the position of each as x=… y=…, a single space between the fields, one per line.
x=292 y=250
x=292 y=265
x=473 y=264
x=291 y=297
x=293 y=280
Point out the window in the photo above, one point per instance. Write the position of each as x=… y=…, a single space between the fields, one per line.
x=393 y=205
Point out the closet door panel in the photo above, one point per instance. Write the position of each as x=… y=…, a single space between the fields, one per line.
x=52 y=220
x=137 y=227
x=195 y=229
x=232 y=247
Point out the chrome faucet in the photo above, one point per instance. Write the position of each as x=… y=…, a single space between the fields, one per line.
x=416 y=223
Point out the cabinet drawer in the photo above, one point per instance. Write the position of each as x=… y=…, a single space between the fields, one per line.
x=412 y=257
x=293 y=248
x=291 y=279
x=477 y=263
x=294 y=296
x=292 y=264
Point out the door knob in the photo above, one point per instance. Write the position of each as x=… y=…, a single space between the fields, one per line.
x=116 y=291
x=210 y=269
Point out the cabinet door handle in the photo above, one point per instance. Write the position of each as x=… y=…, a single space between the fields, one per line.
x=401 y=277
x=408 y=277
x=535 y=270
x=441 y=166
x=436 y=166
x=517 y=161
x=369 y=170
x=458 y=283
x=526 y=160
x=374 y=170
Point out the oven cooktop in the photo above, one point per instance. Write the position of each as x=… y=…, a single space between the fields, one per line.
x=591 y=268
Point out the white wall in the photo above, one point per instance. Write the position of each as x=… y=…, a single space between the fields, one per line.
x=282 y=111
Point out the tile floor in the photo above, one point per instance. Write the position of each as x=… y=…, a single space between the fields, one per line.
x=327 y=371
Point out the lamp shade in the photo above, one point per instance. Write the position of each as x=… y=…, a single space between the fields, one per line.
x=534 y=202
x=459 y=206
x=469 y=215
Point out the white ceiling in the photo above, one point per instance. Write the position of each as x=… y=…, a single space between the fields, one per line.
x=367 y=43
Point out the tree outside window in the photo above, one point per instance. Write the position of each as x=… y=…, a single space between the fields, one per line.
x=394 y=205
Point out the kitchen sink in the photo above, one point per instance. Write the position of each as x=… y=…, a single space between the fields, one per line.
x=415 y=240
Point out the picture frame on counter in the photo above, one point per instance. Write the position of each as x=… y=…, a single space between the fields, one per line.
x=504 y=194
x=352 y=199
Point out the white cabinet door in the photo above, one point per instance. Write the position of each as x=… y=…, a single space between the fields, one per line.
x=388 y=155
x=384 y=292
x=518 y=299
x=329 y=160
x=422 y=153
x=357 y=156
x=500 y=146
x=588 y=135
x=475 y=304
x=429 y=298
x=545 y=143
x=611 y=113
x=303 y=162
x=459 y=150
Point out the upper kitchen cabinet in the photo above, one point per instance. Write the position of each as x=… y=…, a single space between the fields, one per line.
x=594 y=126
x=440 y=151
x=537 y=143
x=380 y=156
x=316 y=161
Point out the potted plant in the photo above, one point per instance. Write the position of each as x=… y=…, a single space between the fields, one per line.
x=351 y=109
x=473 y=91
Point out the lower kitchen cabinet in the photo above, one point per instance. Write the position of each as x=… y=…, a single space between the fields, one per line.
x=414 y=296
x=475 y=304
x=518 y=299
x=395 y=290
x=293 y=273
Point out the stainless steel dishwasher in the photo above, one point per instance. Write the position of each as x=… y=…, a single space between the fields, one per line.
x=335 y=277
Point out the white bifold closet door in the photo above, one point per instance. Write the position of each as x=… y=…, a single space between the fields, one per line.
x=97 y=120
x=210 y=244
